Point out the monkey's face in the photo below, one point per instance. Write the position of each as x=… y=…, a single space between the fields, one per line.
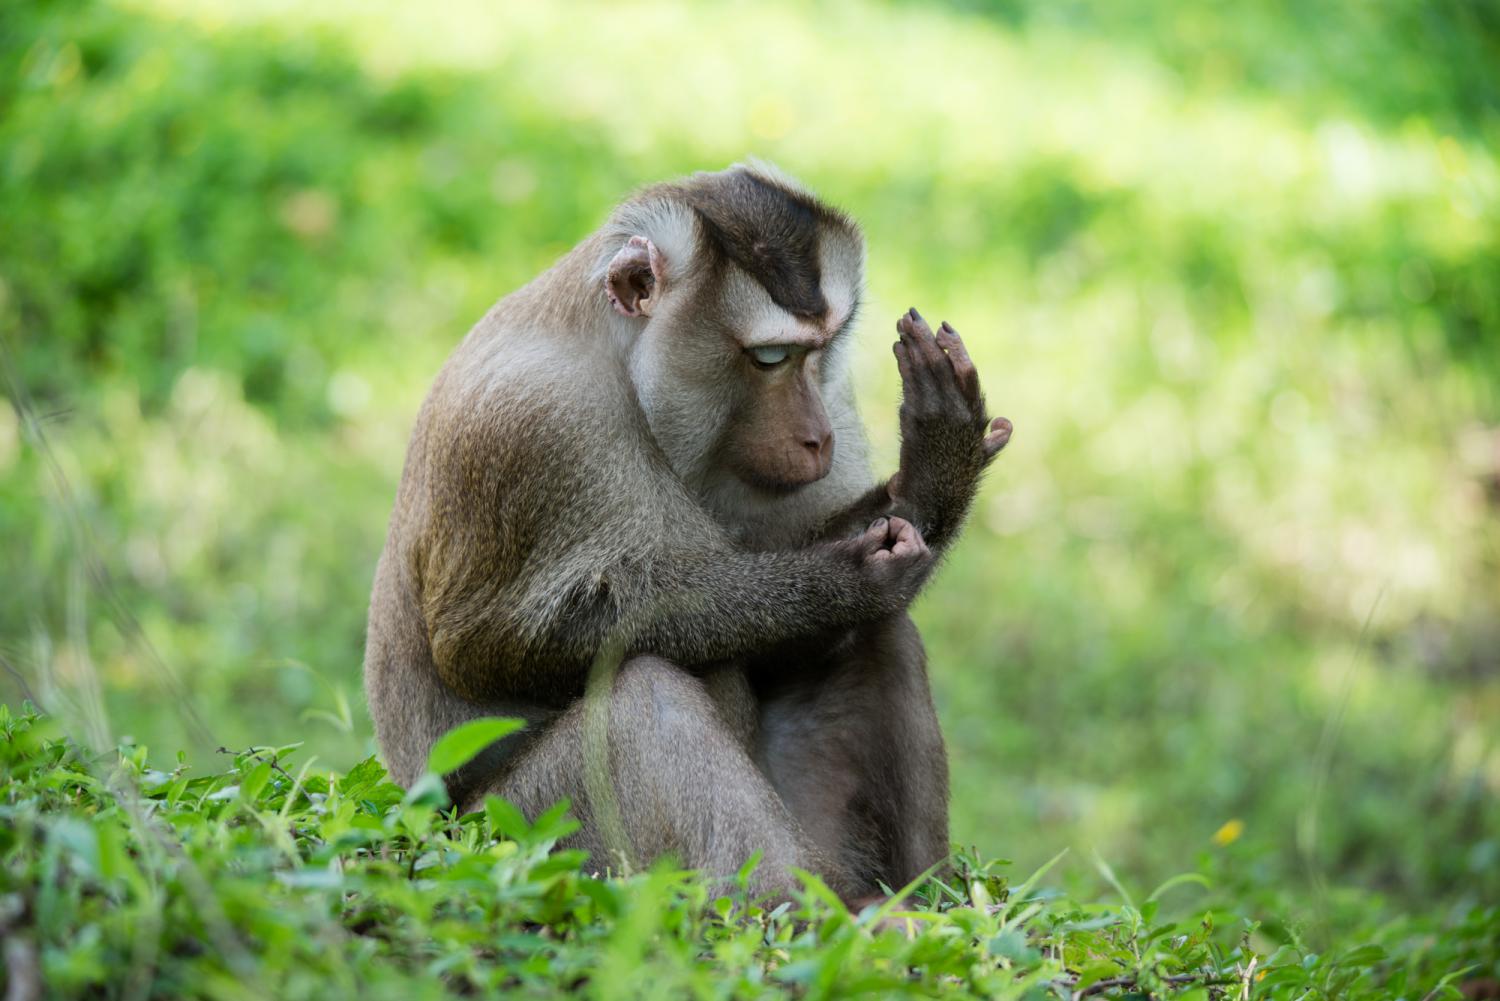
x=779 y=437
x=737 y=312
x=777 y=434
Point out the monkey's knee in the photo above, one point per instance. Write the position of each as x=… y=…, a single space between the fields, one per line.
x=657 y=703
x=649 y=673
x=684 y=760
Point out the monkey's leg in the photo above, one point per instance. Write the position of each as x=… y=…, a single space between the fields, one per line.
x=852 y=745
x=682 y=777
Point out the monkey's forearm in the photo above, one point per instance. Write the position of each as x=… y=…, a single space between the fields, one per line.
x=691 y=608
x=720 y=606
x=938 y=518
x=946 y=437
x=874 y=503
x=941 y=465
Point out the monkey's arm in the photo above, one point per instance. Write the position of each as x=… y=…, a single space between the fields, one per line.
x=947 y=440
x=711 y=606
x=691 y=606
x=873 y=503
x=535 y=557
x=939 y=522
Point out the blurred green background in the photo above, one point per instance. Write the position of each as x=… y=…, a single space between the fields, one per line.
x=1232 y=594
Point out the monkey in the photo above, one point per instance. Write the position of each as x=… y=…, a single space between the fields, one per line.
x=657 y=439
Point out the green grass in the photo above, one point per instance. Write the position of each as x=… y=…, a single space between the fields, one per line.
x=1233 y=270
x=272 y=879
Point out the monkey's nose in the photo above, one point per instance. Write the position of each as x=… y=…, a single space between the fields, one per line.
x=821 y=446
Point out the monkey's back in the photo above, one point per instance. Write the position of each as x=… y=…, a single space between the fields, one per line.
x=505 y=511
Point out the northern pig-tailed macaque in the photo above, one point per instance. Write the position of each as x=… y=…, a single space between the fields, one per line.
x=659 y=434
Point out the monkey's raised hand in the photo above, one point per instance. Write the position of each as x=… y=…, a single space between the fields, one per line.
x=893 y=558
x=946 y=437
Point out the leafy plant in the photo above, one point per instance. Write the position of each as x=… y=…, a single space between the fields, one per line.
x=272 y=879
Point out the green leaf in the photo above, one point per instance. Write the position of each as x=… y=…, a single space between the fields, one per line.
x=1365 y=955
x=1178 y=880
x=1095 y=972
x=1019 y=894
x=80 y=839
x=604 y=894
x=554 y=823
x=462 y=744
x=742 y=878
x=1284 y=975
x=1108 y=872
x=1012 y=945
x=252 y=784
x=506 y=818
x=427 y=791
x=366 y=773
x=312 y=879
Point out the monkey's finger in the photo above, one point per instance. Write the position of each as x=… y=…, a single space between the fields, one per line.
x=907 y=328
x=908 y=541
x=903 y=362
x=998 y=436
x=872 y=539
x=955 y=376
x=879 y=539
x=913 y=548
x=921 y=335
x=935 y=363
x=917 y=377
x=958 y=355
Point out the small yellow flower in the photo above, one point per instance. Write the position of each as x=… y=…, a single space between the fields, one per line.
x=1229 y=833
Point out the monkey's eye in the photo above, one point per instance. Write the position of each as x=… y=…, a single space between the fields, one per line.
x=770 y=356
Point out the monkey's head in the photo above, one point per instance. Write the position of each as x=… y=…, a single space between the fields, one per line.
x=735 y=291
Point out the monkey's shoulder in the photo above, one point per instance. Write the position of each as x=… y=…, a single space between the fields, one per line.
x=501 y=433
x=507 y=393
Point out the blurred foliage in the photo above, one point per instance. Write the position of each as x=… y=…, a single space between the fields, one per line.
x=1233 y=270
x=1394 y=62
x=120 y=879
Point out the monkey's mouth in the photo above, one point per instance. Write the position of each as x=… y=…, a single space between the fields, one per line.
x=778 y=484
x=778 y=472
x=774 y=488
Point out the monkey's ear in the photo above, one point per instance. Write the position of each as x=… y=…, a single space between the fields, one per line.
x=635 y=277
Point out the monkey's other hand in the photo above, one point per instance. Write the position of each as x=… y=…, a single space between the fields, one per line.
x=946 y=437
x=893 y=558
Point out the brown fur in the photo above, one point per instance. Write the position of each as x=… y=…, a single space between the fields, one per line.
x=599 y=456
